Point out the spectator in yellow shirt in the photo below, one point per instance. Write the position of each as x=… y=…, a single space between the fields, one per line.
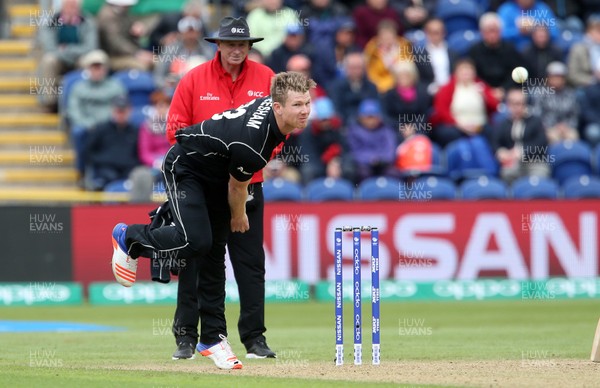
x=383 y=52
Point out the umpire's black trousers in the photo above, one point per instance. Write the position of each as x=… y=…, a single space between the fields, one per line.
x=248 y=261
x=202 y=222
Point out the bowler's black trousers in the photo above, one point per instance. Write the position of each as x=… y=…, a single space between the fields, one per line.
x=202 y=224
x=248 y=261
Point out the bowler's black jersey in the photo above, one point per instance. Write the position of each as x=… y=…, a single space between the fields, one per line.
x=237 y=142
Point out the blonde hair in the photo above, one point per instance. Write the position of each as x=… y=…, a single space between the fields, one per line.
x=488 y=19
x=290 y=81
x=408 y=67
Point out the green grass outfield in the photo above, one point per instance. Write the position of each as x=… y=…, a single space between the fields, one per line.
x=301 y=333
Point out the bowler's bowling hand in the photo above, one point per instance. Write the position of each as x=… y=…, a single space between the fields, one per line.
x=240 y=224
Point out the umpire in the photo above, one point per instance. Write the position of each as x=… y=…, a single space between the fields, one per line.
x=225 y=82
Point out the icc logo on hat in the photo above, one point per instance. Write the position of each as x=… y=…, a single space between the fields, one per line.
x=233 y=29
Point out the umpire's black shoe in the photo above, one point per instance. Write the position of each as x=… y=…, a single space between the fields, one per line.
x=185 y=351
x=260 y=349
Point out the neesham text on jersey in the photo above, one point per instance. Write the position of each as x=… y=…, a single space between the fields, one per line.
x=259 y=115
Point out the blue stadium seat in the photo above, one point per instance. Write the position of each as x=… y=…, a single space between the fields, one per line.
x=329 y=189
x=438 y=163
x=428 y=188
x=416 y=37
x=484 y=5
x=596 y=159
x=458 y=15
x=139 y=86
x=462 y=160
x=483 y=188
x=461 y=41
x=279 y=189
x=570 y=159
x=120 y=186
x=566 y=39
x=436 y=155
x=584 y=186
x=138 y=115
x=379 y=188
x=534 y=187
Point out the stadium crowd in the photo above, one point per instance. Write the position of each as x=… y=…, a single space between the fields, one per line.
x=406 y=88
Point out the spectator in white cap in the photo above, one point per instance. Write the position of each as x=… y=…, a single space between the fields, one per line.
x=90 y=100
x=119 y=36
x=172 y=59
x=557 y=105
